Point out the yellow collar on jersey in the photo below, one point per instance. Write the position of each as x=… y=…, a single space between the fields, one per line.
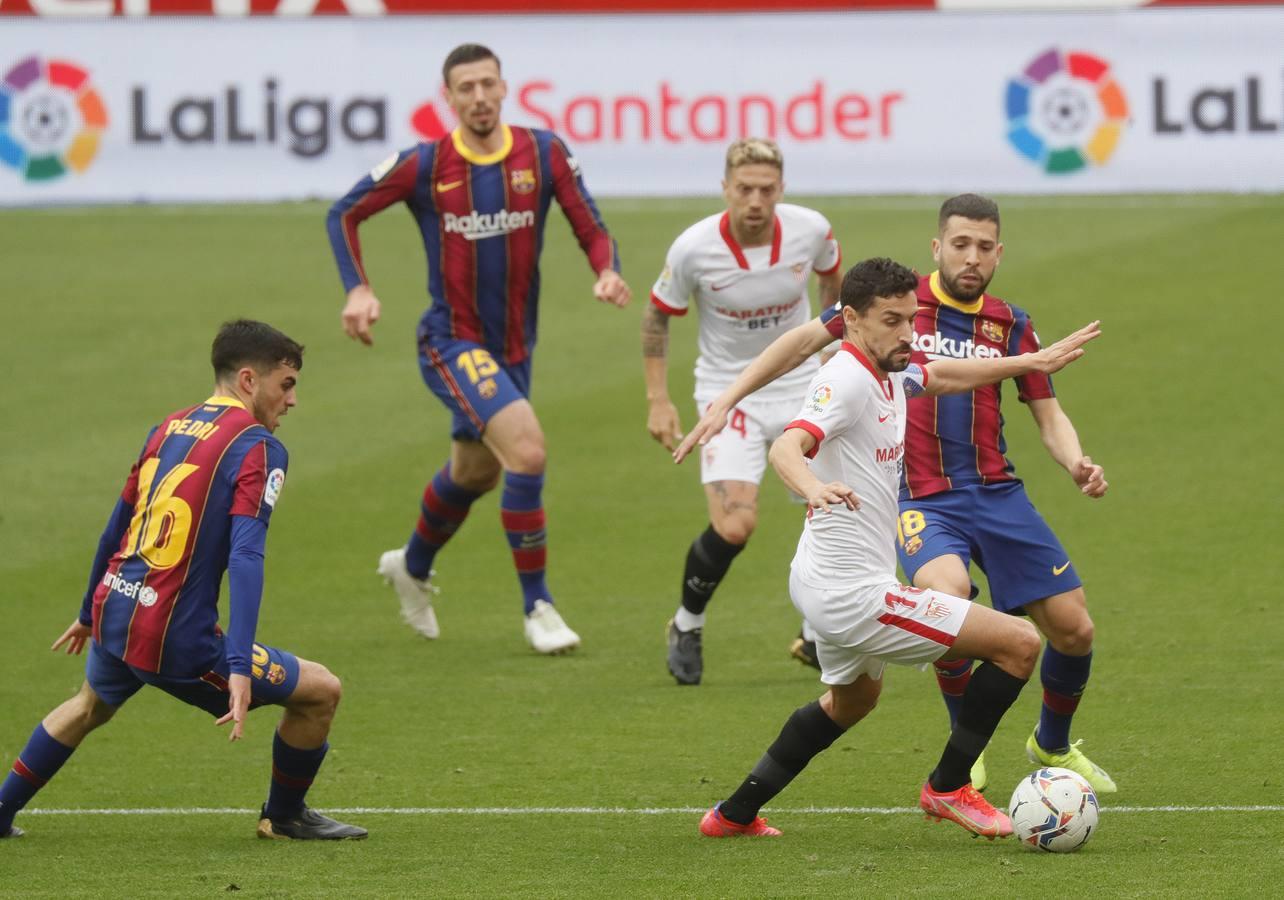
x=222 y=400
x=971 y=308
x=479 y=159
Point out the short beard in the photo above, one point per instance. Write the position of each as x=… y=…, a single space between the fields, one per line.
x=890 y=364
x=479 y=133
x=958 y=293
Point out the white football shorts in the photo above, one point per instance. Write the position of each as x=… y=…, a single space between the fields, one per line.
x=859 y=631
x=739 y=451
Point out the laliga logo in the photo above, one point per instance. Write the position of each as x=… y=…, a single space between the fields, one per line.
x=1066 y=111
x=51 y=119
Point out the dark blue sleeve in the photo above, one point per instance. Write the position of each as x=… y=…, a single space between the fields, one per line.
x=245 y=590
x=391 y=181
x=108 y=543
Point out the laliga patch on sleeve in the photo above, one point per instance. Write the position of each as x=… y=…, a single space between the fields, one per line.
x=820 y=398
x=272 y=490
x=383 y=168
x=574 y=165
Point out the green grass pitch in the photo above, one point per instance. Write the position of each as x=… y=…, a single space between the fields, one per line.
x=108 y=317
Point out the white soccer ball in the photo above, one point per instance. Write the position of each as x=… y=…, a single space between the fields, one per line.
x=1053 y=810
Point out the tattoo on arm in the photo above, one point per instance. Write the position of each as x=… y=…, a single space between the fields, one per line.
x=655 y=333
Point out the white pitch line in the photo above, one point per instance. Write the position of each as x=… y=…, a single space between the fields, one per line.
x=588 y=810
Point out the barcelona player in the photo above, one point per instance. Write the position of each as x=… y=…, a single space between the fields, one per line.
x=481 y=197
x=197 y=503
x=960 y=498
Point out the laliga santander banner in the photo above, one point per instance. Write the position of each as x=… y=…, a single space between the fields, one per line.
x=262 y=109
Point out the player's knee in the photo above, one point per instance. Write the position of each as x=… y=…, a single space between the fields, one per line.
x=1076 y=638
x=330 y=692
x=848 y=704
x=737 y=529
x=528 y=458
x=1023 y=649
x=90 y=710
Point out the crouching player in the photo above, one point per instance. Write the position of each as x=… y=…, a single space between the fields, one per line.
x=198 y=502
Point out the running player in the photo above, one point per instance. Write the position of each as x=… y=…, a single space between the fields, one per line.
x=480 y=197
x=852 y=429
x=197 y=502
x=960 y=498
x=748 y=269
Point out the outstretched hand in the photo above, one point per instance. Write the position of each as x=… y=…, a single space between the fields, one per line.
x=1056 y=357
x=74 y=637
x=712 y=422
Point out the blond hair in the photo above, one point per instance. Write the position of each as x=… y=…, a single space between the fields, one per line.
x=751 y=150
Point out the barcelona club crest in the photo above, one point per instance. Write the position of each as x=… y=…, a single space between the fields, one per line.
x=992 y=330
x=522 y=181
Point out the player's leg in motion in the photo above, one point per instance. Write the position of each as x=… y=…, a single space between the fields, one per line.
x=810 y=730
x=471 y=471
x=49 y=746
x=948 y=574
x=733 y=515
x=298 y=749
x=1067 y=661
x=1009 y=647
x=514 y=436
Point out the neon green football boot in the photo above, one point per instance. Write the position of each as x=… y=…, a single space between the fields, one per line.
x=980 y=778
x=1074 y=760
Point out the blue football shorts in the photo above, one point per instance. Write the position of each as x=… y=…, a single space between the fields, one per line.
x=273 y=679
x=997 y=527
x=472 y=384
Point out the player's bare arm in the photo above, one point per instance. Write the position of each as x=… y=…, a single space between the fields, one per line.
x=75 y=637
x=956 y=376
x=784 y=354
x=611 y=288
x=662 y=421
x=788 y=456
x=360 y=313
x=830 y=285
x=1062 y=442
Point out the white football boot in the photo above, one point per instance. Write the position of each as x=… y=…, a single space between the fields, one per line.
x=547 y=633
x=415 y=595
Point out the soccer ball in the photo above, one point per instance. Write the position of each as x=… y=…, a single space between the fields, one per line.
x=1053 y=810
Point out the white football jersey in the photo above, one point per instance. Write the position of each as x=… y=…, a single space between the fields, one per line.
x=858 y=421
x=747 y=296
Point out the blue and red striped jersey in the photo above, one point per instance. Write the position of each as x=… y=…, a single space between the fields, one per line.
x=156 y=606
x=482 y=220
x=953 y=440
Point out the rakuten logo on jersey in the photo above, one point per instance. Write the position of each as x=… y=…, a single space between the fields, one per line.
x=937 y=346
x=477 y=226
